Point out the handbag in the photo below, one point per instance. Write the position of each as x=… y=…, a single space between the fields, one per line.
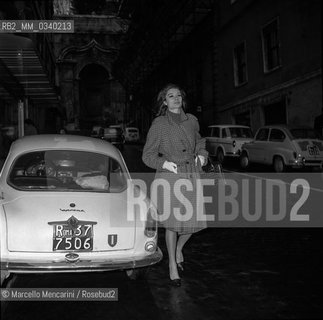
x=213 y=170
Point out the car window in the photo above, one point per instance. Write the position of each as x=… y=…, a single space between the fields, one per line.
x=215 y=132
x=224 y=133
x=65 y=170
x=277 y=135
x=262 y=134
x=237 y=132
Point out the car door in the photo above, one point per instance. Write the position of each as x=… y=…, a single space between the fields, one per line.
x=256 y=152
x=276 y=145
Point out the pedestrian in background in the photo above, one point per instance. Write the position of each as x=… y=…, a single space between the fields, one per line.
x=318 y=124
x=176 y=150
x=30 y=128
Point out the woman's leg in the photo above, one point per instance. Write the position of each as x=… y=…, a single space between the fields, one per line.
x=171 y=239
x=182 y=239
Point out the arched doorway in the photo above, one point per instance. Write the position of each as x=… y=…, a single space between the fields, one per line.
x=94 y=91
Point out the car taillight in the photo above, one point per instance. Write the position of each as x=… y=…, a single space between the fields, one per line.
x=233 y=143
x=151 y=224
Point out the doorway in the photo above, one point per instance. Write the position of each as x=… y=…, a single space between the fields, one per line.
x=275 y=113
x=94 y=91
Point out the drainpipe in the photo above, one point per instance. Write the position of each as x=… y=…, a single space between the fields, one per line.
x=21 y=129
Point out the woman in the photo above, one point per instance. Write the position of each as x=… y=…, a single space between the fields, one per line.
x=176 y=150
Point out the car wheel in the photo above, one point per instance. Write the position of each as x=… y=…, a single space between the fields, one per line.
x=137 y=274
x=244 y=161
x=220 y=156
x=279 y=165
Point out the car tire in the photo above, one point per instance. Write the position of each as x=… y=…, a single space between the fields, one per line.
x=244 y=161
x=278 y=164
x=220 y=155
x=137 y=273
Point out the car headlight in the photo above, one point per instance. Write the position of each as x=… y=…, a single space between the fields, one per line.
x=150 y=246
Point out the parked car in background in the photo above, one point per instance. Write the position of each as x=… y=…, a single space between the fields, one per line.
x=97 y=132
x=226 y=140
x=132 y=134
x=283 y=147
x=115 y=136
x=65 y=207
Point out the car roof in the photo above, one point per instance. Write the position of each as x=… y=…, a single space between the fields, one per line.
x=284 y=127
x=276 y=126
x=228 y=125
x=63 y=141
x=287 y=127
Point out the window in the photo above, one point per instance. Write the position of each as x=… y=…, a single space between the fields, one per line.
x=262 y=135
x=271 y=46
x=277 y=135
x=215 y=132
x=240 y=64
x=240 y=132
x=65 y=170
x=224 y=133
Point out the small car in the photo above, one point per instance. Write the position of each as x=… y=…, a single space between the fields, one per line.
x=283 y=147
x=115 y=136
x=97 y=132
x=132 y=134
x=65 y=207
x=226 y=140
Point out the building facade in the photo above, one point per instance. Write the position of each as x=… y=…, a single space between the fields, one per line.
x=250 y=62
x=90 y=94
x=269 y=62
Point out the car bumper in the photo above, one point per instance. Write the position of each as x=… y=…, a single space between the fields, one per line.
x=85 y=265
x=233 y=154
x=307 y=163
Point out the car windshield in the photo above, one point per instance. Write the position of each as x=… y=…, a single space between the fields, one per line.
x=240 y=132
x=65 y=170
x=304 y=133
x=115 y=131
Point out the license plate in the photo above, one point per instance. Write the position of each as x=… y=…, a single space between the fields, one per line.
x=313 y=150
x=79 y=238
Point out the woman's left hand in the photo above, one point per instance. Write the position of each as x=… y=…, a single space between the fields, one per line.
x=201 y=158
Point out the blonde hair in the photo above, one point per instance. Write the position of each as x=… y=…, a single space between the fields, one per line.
x=160 y=105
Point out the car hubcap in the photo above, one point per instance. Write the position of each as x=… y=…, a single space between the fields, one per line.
x=244 y=162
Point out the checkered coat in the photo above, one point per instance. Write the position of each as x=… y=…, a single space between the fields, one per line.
x=179 y=143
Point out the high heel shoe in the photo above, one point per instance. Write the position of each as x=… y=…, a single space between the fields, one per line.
x=176 y=282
